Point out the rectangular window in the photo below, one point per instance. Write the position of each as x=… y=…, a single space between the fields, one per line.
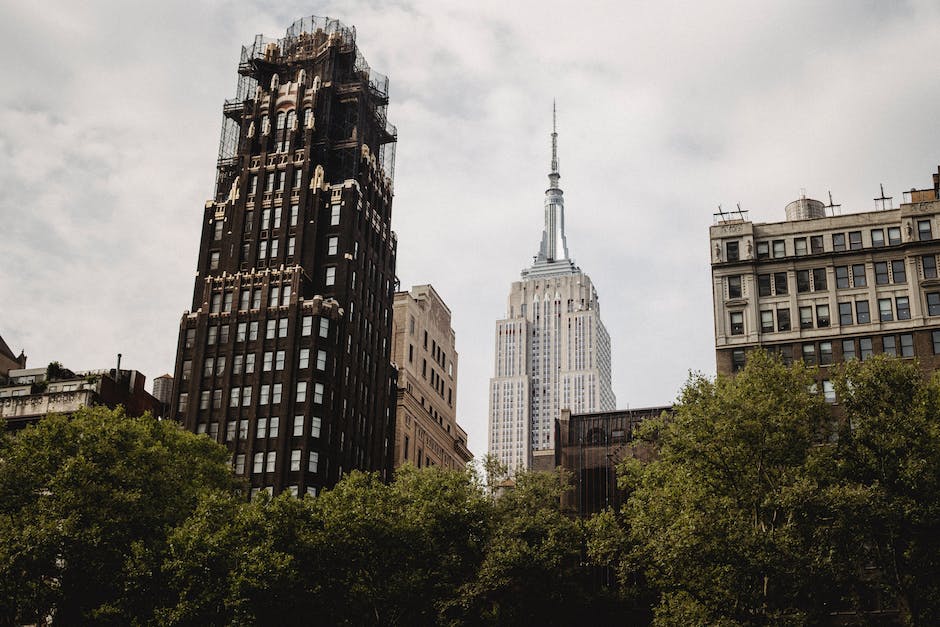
x=766 y=321
x=274 y=296
x=907 y=345
x=282 y=327
x=929 y=263
x=763 y=285
x=258 y=465
x=877 y=238
x=268 y=361
x=215 y=305
x=318 y=393
x=204 y=399
x=295 y=459
x=291 y=243
x=321 y=360
x=293 y=208
x=270 y=461
x=234 y=397
x=306 y=326
x=298 y=425
x=253 y=184
x=256 y=299
x=301 y=395
x=809 y=354
x=187 y=369
x=885 y=313
x=208 y=367
x=780 y=283
x=240 y=464
x=265 y=394
x=783 y=319
x=261 y=430
x=842 y=276
x=845 y=314
x=763 y=250
x=737 y=361
x=243 y=429
x=802 y=281
x=881 y=273
x=241 y=332
x=799 y=246
x=838 y=241
x=276 y=394
x=933 y=303
x=858 y=275
x=903 y=306
x=262 y=250
x=246 y=396
x=889 y=345
x=780 y=249
x=732 y=251
x=279 y=360
x=190 y=338
x=334 y=215
x=822 y=316
x=277 y=218
x=304 y=361
x=315 y=424
x=923 y=230
x=313 y=461
x=898 y=271
x=894 y=235
x=214 y=259
x=806 y=317
x=734 y=286
x=217 y=399
x=816 y=244
x=330 y=276
x=220 y=364
x=855 y=240
x=825 y=353
x=274 y=424
x=829 y=392
x=271 y=331
x=819 y=279
x=862 y=313
x=332 y=245
x=848 y=350
x=249 y=363
x=324 y=327
x=865 y=348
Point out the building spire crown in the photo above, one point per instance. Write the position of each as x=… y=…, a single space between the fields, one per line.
x=554 y=244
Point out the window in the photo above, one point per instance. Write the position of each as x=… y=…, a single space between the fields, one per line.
x=306 y=325
x=816 y=244
x=330 y=276
x=261 y=430
x=734 y=286
x=279 y=185
x=763 y=285
x=241 y=332
x=780 y=283
x=732 y=251
x=799 y=246
x=802 y=281
x=268 y=361
x=318 y=393
x=256 y=299
x=894 y=235
x=253 y=330
x=766 y=321
x=243 y=429
x=208 y=366
x=809 y=354
x=324 y=327
x=332 y=245
x=923 y=230
x=246 y=396
x=240 y=464
x=313 y=461
x=269 y=183
x=933 y=303
x=907 y=345
x=829 y=392
x=274 y=244
x=190 y=338
x=737 y=359
x=215 y=305
x=294 y=209
x=304 y=361
x=274 y=295
x=822 y=316
x=235 y=397
x=253 y=184
x=244 y=300
x=806 y=317
x=301 y=395
x=885 y=313
x=249 y=221
x=877 y=238
x=929 y=263
x=265 y=219
x=271 y=331
x=334 y=215
x=903 y=307
x=842 y=276
x=855 y=240
x=862 y=314
x=845 y=314
x=763 y=250
x=282 y=327
x=321 y=360
x=889 y=346
x=217 y=399
x=279 y=360
x=214 y=259
x=838 y=241
x=783 y=319
x=881 y=273
x=273 y=426
x=315 y=424
x=298 y=425
x=265 y=394
x=187 y=369
x=276 y=394
x=295 y=459
x=898 y=271
x=819 y=279
x=262 y=250
x=249 y=363
x=780 y=249
x=848 y=350
x=277 y=216
x=258 y=465
x=184 y=402
x=865 y=348
x=291 y=246
x=825 y=353
x=270 y=461
x=858 y=275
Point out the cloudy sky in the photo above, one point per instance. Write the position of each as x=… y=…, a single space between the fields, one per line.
x=110 y=116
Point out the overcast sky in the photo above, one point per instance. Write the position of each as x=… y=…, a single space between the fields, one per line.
x=110 y=115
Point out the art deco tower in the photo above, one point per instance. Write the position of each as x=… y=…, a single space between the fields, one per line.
x=284 y=356
x=552 y=350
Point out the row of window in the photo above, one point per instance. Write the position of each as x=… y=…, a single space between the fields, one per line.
x=821 y=353
x=241 y=396
x=248 y=331
x=267 y=462
x=815 y=244
x=888 y=310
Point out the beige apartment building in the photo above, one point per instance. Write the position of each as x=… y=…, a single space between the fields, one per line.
x=828 y=288
x=423 y=348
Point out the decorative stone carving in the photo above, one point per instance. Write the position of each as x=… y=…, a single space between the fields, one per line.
x=233 y=192
x=317 y=181
x=251 y=129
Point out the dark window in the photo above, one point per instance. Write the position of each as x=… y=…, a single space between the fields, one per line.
x=822 y=315
x=737 y=323
x=809 y=354
x=842 y=276
x=799 y=246
x=877 y=238
x=845 y=313
x=894 y=235
x=786 y=355
x=733 y=253
x=734 y=286
x=899 y=271
x=855 y=240
x=881 y=273
x=819 y=279
x=865 y=348
x=763 y=250
x=806 y=317
x=848 y=350
x=907 y=345
x=780 y=283
x=838 y=241
x=816 y=244
x=737 y=359
x=885 y=313
x=780 y=248
x=802 y=281
x=903 y=306
x=190 y=338
x=763 y=285
x=783 y=319
x=929 y=263
x=767 y=321
x=889 y=345
x=858 y=275
x=862 y=313
x=825 y=353
x=923 y=230
x=933 y=303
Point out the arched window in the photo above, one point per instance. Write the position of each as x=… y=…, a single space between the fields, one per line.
x=308 y=117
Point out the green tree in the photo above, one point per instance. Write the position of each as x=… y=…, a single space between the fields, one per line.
x=717 y=520
x=85 y=506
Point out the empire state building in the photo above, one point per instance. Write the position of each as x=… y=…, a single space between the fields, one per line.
x=552 y=349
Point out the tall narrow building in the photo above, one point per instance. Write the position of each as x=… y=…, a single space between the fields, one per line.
x=285 y=354
x=552 y=349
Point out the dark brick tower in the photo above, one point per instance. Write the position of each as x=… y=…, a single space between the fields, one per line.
x=285 y=355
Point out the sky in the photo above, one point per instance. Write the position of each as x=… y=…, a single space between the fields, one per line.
x=111 y=111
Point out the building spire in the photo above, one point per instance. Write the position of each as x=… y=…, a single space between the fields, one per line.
x=554 y=245
x=554 y=141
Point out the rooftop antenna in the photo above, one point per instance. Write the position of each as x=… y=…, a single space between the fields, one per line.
x=884 y=198
x=832 y=206
x=742 y=213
